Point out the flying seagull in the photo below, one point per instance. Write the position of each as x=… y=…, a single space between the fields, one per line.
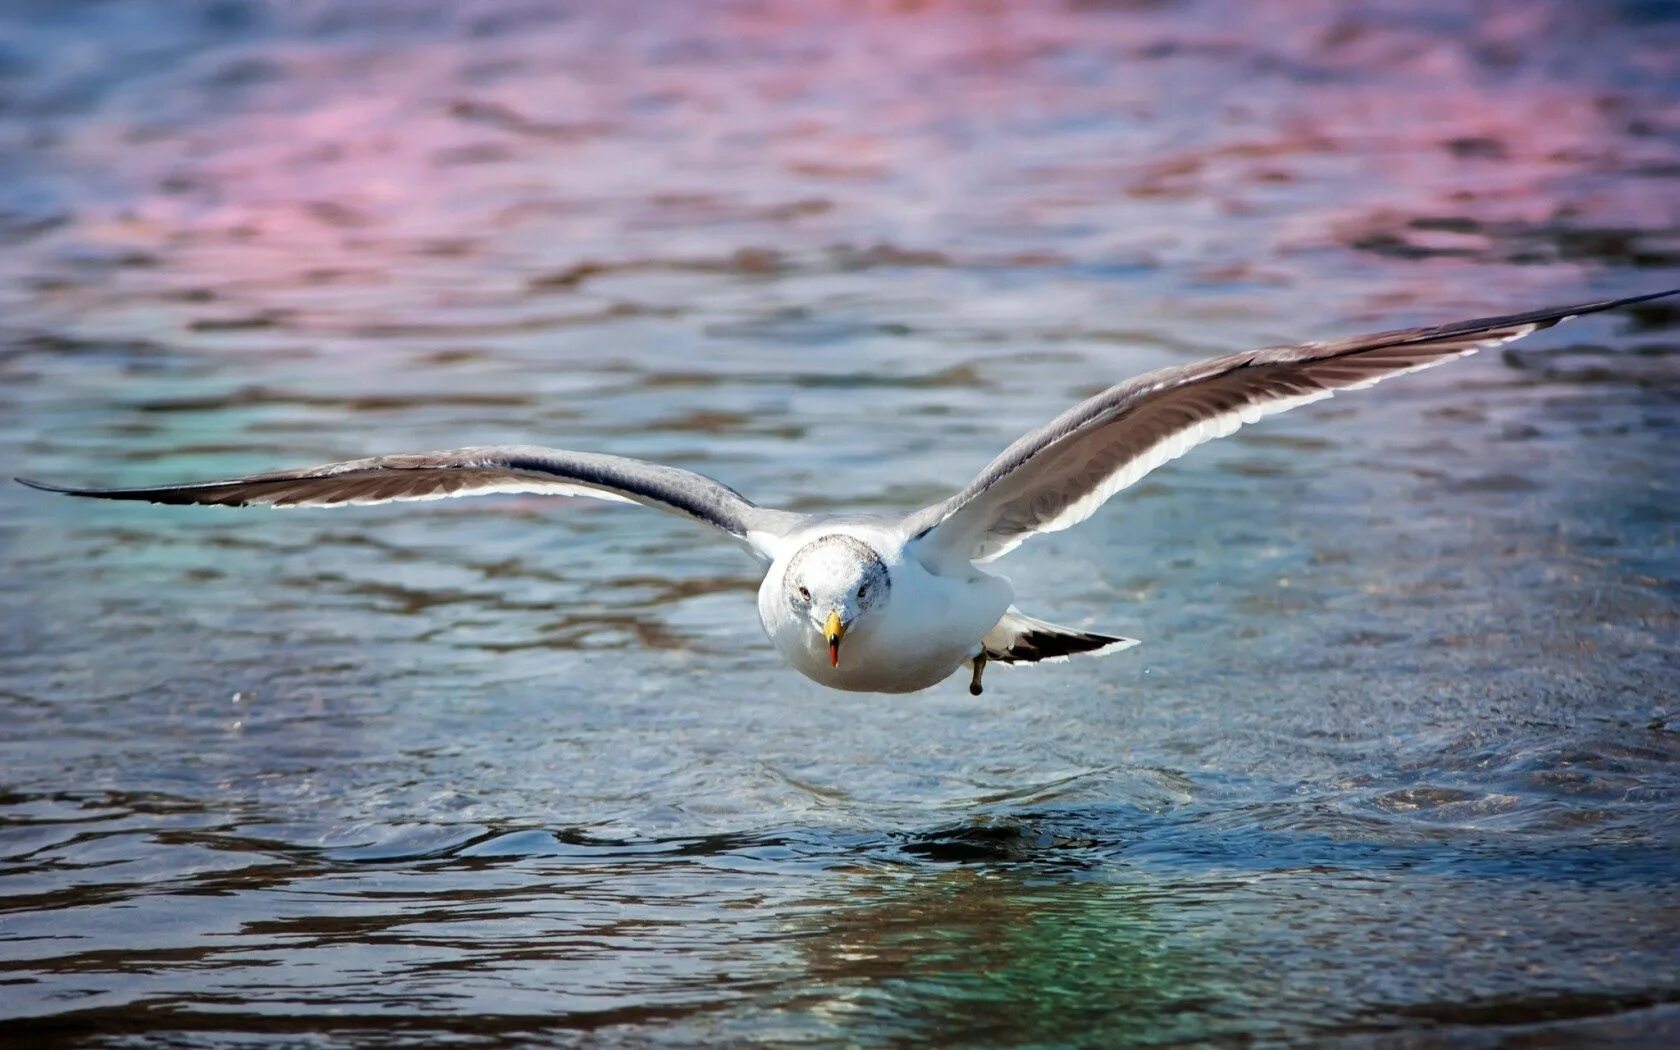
x=894 y=604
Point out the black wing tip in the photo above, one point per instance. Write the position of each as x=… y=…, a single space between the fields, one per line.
x=1544 y=319
x=1554 y=315
x=1532 y=320
x=1612 y=304
x=148 y=495
x=67 y=490
x=42 y=486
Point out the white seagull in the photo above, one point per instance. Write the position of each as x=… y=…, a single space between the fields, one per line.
x=894 y=604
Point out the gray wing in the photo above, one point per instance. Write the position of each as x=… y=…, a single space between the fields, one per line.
x=1058 y=475
x=479 y=471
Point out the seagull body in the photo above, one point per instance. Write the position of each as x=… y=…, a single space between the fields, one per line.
x=895 y=604
x=911 y=627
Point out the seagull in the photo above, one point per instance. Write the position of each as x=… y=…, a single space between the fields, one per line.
x=899 y=603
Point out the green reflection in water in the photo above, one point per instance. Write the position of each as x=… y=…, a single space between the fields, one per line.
x=974 y=955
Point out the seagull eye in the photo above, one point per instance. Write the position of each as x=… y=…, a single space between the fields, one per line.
x=805 y=593
x=863 y=592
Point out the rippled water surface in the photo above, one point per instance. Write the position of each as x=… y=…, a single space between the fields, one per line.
x=1396 y=763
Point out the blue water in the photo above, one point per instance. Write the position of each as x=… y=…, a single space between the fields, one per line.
x=1396 y=764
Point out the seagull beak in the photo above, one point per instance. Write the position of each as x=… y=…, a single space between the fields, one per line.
x=834 y=630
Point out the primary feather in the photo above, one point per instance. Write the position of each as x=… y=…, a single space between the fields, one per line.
x=1058 y=475
x=474 y=472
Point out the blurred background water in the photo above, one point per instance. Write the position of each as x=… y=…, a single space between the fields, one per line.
x=1396 y=765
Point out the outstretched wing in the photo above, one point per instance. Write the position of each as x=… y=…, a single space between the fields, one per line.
x=479 y=471
x=1058 y=475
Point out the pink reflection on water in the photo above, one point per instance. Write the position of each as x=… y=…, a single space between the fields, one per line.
x=435 y=176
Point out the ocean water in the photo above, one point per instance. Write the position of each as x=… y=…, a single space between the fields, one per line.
x=1396 y=765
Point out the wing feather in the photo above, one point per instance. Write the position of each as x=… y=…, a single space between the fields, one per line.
x=1058 y=475
x=475 y=472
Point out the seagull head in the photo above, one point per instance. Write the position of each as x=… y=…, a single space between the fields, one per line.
x=833 y=582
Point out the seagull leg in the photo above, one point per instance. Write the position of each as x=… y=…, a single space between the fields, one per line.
x=979 y=665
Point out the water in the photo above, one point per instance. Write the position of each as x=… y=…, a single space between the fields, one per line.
x=1396 y=764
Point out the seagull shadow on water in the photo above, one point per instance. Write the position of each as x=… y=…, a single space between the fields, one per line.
x=1020 y=841
x=1198 y=844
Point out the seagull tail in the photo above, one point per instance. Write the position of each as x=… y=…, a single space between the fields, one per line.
x=1021 y=639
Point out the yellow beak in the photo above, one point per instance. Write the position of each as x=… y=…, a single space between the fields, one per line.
x=834 y=630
